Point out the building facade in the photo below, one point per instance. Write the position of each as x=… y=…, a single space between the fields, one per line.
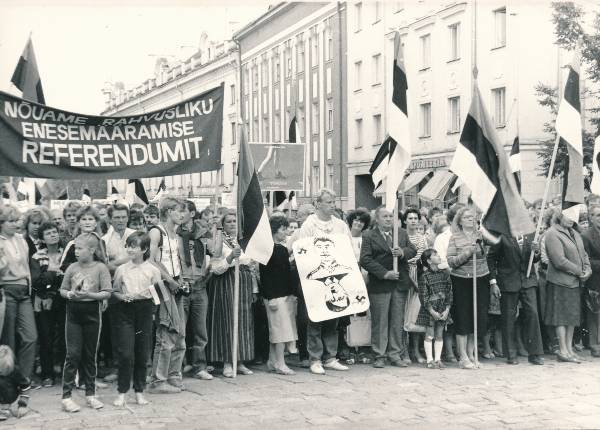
x=439 y=57
x=296 y=52
x=213 y=64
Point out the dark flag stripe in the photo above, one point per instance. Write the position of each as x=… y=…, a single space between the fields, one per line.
x=251 y=211
x=26 y=76
x=399 y=78
x=572 y=90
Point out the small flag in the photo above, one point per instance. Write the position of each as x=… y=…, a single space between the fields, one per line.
x=136 y=193
x=568 y=128
x=398 y=128
x=515 y=162
x=26 y=76
x=480 y=161
x=162 y=191
x=254 y=230
x=595 y=187
x=292 y=127
x=23 y=190
x=86 y=197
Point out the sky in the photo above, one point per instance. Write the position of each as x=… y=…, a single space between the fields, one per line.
x=81 y=45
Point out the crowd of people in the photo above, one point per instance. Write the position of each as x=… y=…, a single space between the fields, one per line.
x=95 y=294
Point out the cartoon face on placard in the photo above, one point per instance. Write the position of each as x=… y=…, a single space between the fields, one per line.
x=331 y=280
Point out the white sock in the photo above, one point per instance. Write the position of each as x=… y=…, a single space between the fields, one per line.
x=439 y=345
x=427 y=345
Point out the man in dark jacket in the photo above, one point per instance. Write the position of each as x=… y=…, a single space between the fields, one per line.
x=591 y=241
x=388 y=289
x=508 y=261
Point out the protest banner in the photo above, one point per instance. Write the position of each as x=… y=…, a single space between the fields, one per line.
x=331 y=280
x=279 y=166
x=43 y=142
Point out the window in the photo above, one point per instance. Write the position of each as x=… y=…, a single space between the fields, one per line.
x=357 y=75
x=314 y=43
x=376 y=72
x=246 y=81
x=376 y=12
x=255 y=130
x=300 y=52
x=453 y=114
x=232 y=92
x=265 y=73
x=426 y=51
x=359 y=133
x=358 y=17
x=329 y=115
x=302 y=124
x=276 y=66
x=277 y=128
x=316 y=180
x=266 y=137
x=222 y=175
x=329 y=176
x=426 y=120
x=233 y=133
x=377 y=129
x=288 y=65
x=314 y=125
x=234 y=170
x=255 y=78
x=500 y=28
x=454 y=41
x=499 y=95
x=329 y=46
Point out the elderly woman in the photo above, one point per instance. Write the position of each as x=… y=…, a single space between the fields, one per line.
x=16 y=310
x=568 y=268
x=220 y=299
x=465 y=244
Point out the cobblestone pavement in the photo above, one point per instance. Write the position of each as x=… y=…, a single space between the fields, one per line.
x=556 y=395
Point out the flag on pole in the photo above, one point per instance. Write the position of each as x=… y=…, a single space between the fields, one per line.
x=595 y=187
x=399 y=134
x=480 y=161
x=136 y=193
x=292 y=126
x=162 y=191
x=254 y=230
x=86 y=197
x=381 y=163
x=23 y=190
x=26 y=76
x=515 y=162
x=568 y=128
x=114 y=194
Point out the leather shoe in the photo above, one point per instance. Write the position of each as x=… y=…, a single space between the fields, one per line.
x=379 y=363
x=399 y=363
x=536 y=359
x=513 y=360
x=566 y=359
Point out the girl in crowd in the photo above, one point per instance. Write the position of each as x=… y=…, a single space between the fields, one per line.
x=415 y=230
x=220 y=297
x=435 y=292
x=568 y=267
x=32 y=220
x=277 y=290
x=87 y=222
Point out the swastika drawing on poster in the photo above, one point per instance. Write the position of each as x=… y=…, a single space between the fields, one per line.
x=331 y=280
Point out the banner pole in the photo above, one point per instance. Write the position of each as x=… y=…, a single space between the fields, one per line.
x=236 y=300
x=395 y=232
x=475 y=352
x=544 y=202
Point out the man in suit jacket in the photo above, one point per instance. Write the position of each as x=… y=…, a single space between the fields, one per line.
x=387 y=288
x=591 y=242
x=508 y=261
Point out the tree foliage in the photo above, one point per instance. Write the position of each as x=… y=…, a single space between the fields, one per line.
x=570 y=27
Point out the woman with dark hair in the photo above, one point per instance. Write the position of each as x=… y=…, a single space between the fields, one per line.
x=568 y=268
x=220 y=299
x=32 y=220
x=358 y=221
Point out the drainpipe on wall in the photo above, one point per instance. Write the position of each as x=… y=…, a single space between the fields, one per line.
x=341 y=90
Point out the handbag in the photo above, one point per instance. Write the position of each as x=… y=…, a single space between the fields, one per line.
x=358 y=332
x=411 y=313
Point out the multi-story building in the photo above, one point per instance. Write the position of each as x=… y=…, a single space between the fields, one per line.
x=299 y=47
x=213 y=64
x=514 y=50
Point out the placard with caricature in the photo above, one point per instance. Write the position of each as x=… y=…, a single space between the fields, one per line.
x=331 y=280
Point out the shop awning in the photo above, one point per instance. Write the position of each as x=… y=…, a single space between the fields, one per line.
x=438 y=185
x=413 y=179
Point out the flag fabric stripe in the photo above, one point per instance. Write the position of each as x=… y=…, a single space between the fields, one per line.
x=26 y=76
x=254 y=230
x=568 y=128
x=481 y=162
x=378 y=169
x=399 y=77
x=515 y=162
x=136 y=193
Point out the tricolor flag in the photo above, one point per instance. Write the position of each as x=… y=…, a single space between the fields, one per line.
x=162 y=191
x=136 y=193
x=399 y=135
x=515 y=162
x=381 y=163
x=277 y=199
x=254 y=230
x=26 y=76
x=481 y=163
x=568 y=128
x=86 y=197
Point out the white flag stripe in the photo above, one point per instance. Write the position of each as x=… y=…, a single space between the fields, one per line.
x=595 y=186
x=257 y=249
x=568 y=125
x=515 y=163
x=465 y=166
x=573 y=212
x=400 y=160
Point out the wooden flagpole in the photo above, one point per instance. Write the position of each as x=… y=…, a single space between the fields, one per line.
x=475 y=352
x=395 y=232
x=236 y=306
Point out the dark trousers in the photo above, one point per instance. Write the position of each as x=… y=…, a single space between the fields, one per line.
x=46 y=321
x=528 y=318
x=261 y=331
x=195 y=309
x=59 y=306
x=133 y=323
x=302 y=325
x=82 y=334
x=19 y=330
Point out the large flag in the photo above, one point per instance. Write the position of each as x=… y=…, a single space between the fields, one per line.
x=381 y=163
x=398 y=128
x=254 y=230
x=515 y=162
x=568 y=128
x=595 y=187
x=136 y=193
x=162 y=191
x=26 y=76
x=480 y=161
